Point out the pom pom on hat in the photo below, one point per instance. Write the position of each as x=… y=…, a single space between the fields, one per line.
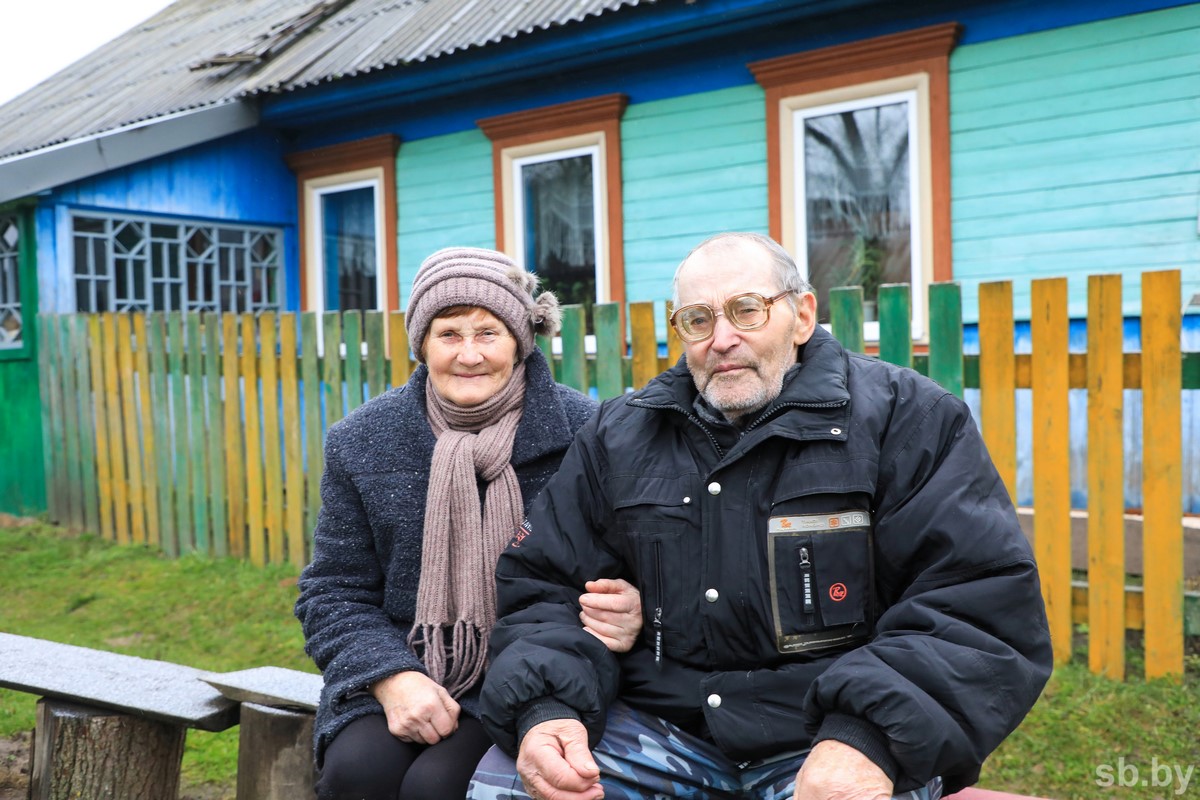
x=488 y=279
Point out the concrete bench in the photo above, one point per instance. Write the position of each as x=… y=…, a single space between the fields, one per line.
x=111 y=725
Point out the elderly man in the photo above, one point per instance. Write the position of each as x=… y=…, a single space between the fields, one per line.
x=838 y=600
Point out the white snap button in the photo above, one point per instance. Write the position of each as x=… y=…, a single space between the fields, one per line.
x=835 y=431
x=711 y=595
x=714 y=701
x=714 y=488
x=687 y=500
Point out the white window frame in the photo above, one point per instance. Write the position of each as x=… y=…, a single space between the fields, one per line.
x=913 y=89
x=315 y=189
x=514 y=158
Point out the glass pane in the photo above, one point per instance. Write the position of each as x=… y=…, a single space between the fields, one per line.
x=560 y=227
x=859 y=220
x=348 y=249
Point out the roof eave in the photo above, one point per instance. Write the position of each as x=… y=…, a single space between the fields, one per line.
x=29 y=173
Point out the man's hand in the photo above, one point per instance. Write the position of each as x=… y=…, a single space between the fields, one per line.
x=417 y=708
x=612 y=612
x=555 y=764
x=836 y=771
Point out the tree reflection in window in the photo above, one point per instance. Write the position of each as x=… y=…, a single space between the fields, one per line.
x=558 y=199
x=857 y=200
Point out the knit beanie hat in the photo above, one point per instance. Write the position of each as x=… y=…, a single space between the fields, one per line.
x=473 y=276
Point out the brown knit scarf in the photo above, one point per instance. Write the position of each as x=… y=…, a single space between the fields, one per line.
x=457 y=590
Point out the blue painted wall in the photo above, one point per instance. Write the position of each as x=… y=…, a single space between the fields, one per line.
x=1073 y=152
x=240 y=178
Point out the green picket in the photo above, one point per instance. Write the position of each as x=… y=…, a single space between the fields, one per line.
x=332 y=366
x=546 y=345
x=945 y=336
x=216 y=434
x=895 y=324
x=160 y=416
x=183 y=497
x=846 y=316
x=87 y=422
x=313 y=435
x=70 y=396
x=574 y=357
x=376 y=353
x=52 y=414
x=196 y=428
x=610 y=347
x=352 y=336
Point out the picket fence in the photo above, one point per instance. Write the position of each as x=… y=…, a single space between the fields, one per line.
x=204 y=433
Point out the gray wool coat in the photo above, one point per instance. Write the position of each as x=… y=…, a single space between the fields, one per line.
x=358 y=596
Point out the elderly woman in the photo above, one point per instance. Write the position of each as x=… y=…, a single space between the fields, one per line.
x=423 y=487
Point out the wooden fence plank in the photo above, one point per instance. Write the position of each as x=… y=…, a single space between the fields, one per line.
x=376 y=360
x=59 y=500
x=610 y=347
x=160 y=421
x=574 y=358
x=332 y=367
x=546 y=345
x=179 y=426
x=199 y=537
x=70 y=422
x=104 y=502
x=674 y=343
x=293 y=454
x=314 y=445
x=112 y=402
x=217 y=443
x=81 y=353
x=997 y=380
x=1049 y=329
x=1162 y=474
x=945 y=336
x=42 y=321
x=145 y=417
x=235 y=458
x=272 y=461
x=131 y=425
x=644 y=343
x=1106 y=484
x=255 y=516
x=352 y=336
x=398 y=348
x=846 y=316
x=895 y=324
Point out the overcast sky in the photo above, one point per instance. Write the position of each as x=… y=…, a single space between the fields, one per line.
x=40 y=37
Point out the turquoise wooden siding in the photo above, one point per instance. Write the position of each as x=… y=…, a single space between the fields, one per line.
x=445 y=197
x=1073 y=151
x=692 y=166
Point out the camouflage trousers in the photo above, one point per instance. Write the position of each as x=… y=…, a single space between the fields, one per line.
x=642 y=757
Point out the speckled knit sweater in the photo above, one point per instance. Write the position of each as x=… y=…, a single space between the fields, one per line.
x=358 y=596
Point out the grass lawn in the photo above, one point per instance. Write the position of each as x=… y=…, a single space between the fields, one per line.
x=223 y=614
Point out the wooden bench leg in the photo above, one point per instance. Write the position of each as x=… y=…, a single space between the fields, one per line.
x=80 y=751
x=275 y=756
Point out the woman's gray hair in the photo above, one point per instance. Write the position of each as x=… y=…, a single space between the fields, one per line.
x=783 y=266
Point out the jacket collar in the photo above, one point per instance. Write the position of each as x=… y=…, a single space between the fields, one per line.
x=544 y=427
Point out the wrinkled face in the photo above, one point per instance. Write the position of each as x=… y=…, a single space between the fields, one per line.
x=741 y=371
x=470 y=356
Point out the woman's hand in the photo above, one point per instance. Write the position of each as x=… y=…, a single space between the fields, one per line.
x=417 y=708
x=612 y=612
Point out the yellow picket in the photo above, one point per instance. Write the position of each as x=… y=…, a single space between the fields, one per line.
x=255 y=526
x=149 y=472
x=133 y=458
x=674 y=343
x=398 y=348
x=1052 y=457
x=272 y=463
x=103 y=454
x=112 y=401
x=1106 y=485
x=997 y=380
x=1162 y=476
x=644 y=343
x=235 y=458
x=293 y=469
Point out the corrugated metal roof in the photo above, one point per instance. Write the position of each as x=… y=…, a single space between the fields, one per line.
x=146 y=72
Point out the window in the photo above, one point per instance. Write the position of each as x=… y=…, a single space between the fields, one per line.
x=131 y=263
x=558 y=196
x=348 y=232
x=11 y=325
x=859 y=164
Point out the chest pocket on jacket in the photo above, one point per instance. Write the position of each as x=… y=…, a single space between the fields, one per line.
x=820 y=566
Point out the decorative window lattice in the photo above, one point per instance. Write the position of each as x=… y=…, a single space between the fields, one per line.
x=10 y=284
x=149 y=264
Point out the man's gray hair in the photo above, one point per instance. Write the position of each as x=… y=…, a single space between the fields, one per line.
x=786 y=273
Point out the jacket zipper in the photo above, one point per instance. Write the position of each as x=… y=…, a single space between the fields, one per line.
x=658 y=609
x=772 y=410
x=806 y=580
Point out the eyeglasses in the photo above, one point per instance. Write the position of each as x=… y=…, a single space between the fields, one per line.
x=454 y=340
x=746 y=312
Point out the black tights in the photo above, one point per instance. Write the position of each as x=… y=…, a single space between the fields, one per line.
x=365 y=762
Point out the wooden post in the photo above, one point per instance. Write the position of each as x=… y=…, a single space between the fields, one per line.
x=86 y=752
x=275 y=755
